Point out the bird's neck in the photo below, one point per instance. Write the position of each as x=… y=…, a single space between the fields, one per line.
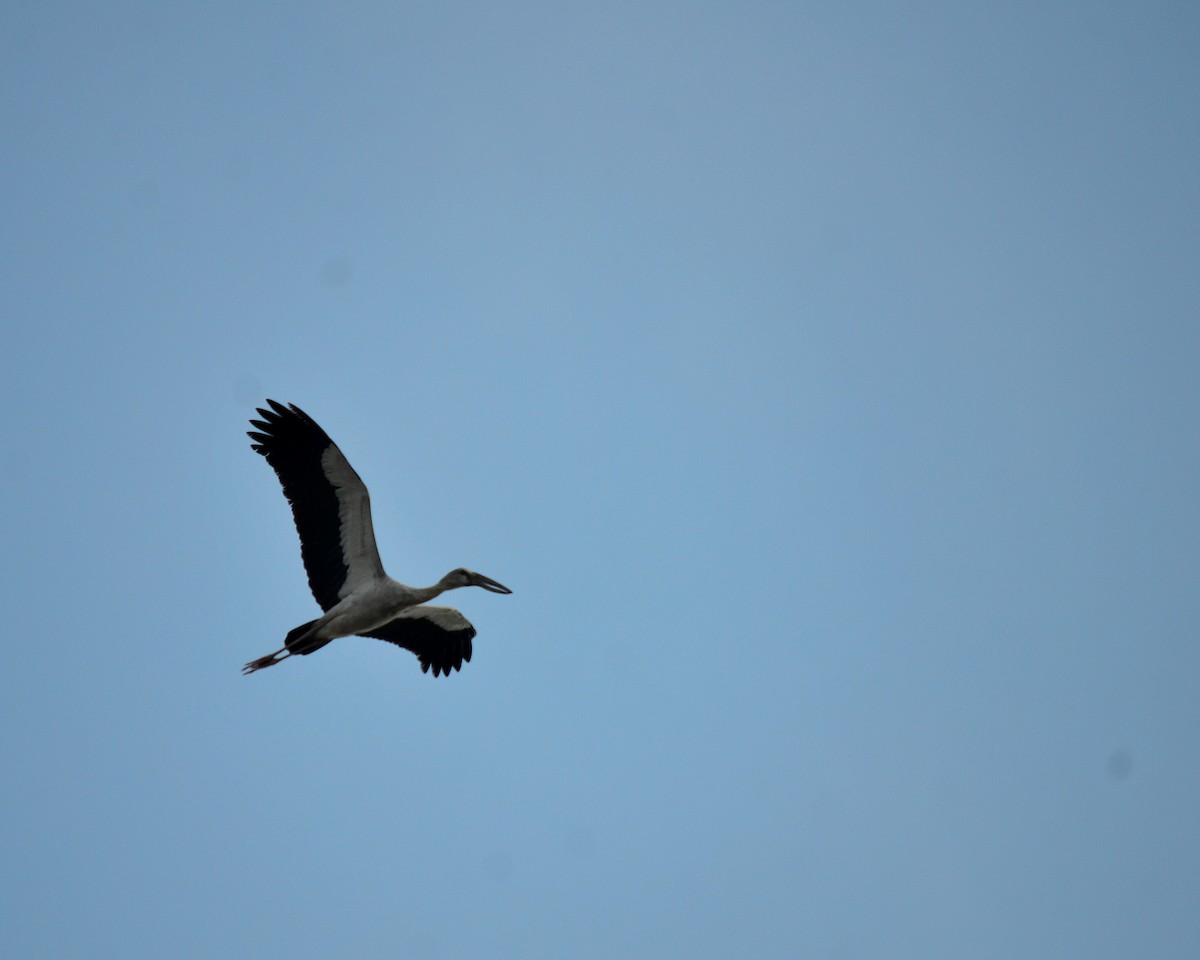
x=425 y=594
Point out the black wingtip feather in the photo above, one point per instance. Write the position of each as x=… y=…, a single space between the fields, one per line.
x=440 y=650
x=293 y=444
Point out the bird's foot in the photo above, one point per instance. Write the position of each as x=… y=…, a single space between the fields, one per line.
x=268 y=661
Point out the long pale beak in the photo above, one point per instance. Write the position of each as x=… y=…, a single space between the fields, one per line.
x=479 y=580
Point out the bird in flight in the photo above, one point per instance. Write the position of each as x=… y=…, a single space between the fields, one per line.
x=332 y=511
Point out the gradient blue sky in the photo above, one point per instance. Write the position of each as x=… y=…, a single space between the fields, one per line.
x=822 y=378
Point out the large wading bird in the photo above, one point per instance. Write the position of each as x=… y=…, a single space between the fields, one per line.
x=337 y=543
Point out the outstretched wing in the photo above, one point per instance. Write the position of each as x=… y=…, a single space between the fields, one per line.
x=329 y=502
x=439 y=636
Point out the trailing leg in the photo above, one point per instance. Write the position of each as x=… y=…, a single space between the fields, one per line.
x=299 y=640
x=268 y=661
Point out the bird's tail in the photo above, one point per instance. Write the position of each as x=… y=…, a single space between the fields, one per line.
x=298 y=641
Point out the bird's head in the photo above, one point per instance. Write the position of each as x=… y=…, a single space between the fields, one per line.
x=462 y=577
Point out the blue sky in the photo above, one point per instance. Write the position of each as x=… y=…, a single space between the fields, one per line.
x=821 y=377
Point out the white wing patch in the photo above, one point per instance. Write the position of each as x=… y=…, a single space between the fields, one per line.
x=445 y=617
x=359 y=552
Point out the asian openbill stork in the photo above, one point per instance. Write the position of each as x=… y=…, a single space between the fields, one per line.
x=337 y=543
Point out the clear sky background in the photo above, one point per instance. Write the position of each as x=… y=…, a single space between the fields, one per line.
x=822 y=377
